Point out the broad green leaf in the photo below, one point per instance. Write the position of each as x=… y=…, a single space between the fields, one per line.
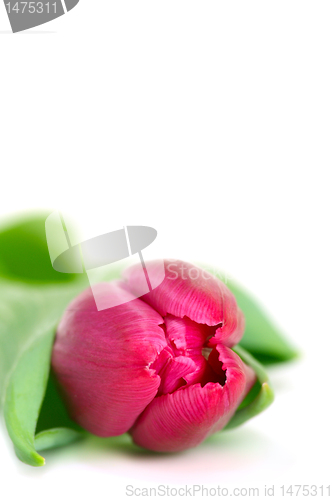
x=26 y=338
x=259 y=398
x=26 y=312
x=32 y=299
x=24 y=254
x=24 y=396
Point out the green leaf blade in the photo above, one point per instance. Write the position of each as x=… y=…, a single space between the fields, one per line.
x=24 y=254
x=24 y=396
x=261 y=337
x=54 y=438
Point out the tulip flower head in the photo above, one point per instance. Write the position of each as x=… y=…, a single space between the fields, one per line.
x=160 y=366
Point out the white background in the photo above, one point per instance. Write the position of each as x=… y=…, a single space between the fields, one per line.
x=212 y=122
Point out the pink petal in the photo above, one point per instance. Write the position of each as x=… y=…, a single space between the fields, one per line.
x=187 y=338
x=190 y=291
x=232 y=330
x=183 y=419
x=102 y=360
x=172 y=370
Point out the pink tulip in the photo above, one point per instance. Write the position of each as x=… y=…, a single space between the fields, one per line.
x=159 y=366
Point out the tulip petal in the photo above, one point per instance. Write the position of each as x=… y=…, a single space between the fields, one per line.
x=232 y=330
x=193 y=292
x=183 y=419
x=102 y=360
x=188 y=338
x=172 y=370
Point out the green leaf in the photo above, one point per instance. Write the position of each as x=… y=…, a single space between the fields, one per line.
x=53 y=413
x=28 y=319
x=259 y=398
x=24 y=397
x=32 y=299
x=26 y=312
x=53 y=438
x=261 y=337
x=24 y=254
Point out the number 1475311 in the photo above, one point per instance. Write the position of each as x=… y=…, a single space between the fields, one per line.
x=32 y=7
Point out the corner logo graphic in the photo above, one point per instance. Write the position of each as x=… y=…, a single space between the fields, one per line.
x=100 y=252
x=25 y=15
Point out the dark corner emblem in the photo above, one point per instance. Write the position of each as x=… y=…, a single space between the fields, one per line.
x=25 y=15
